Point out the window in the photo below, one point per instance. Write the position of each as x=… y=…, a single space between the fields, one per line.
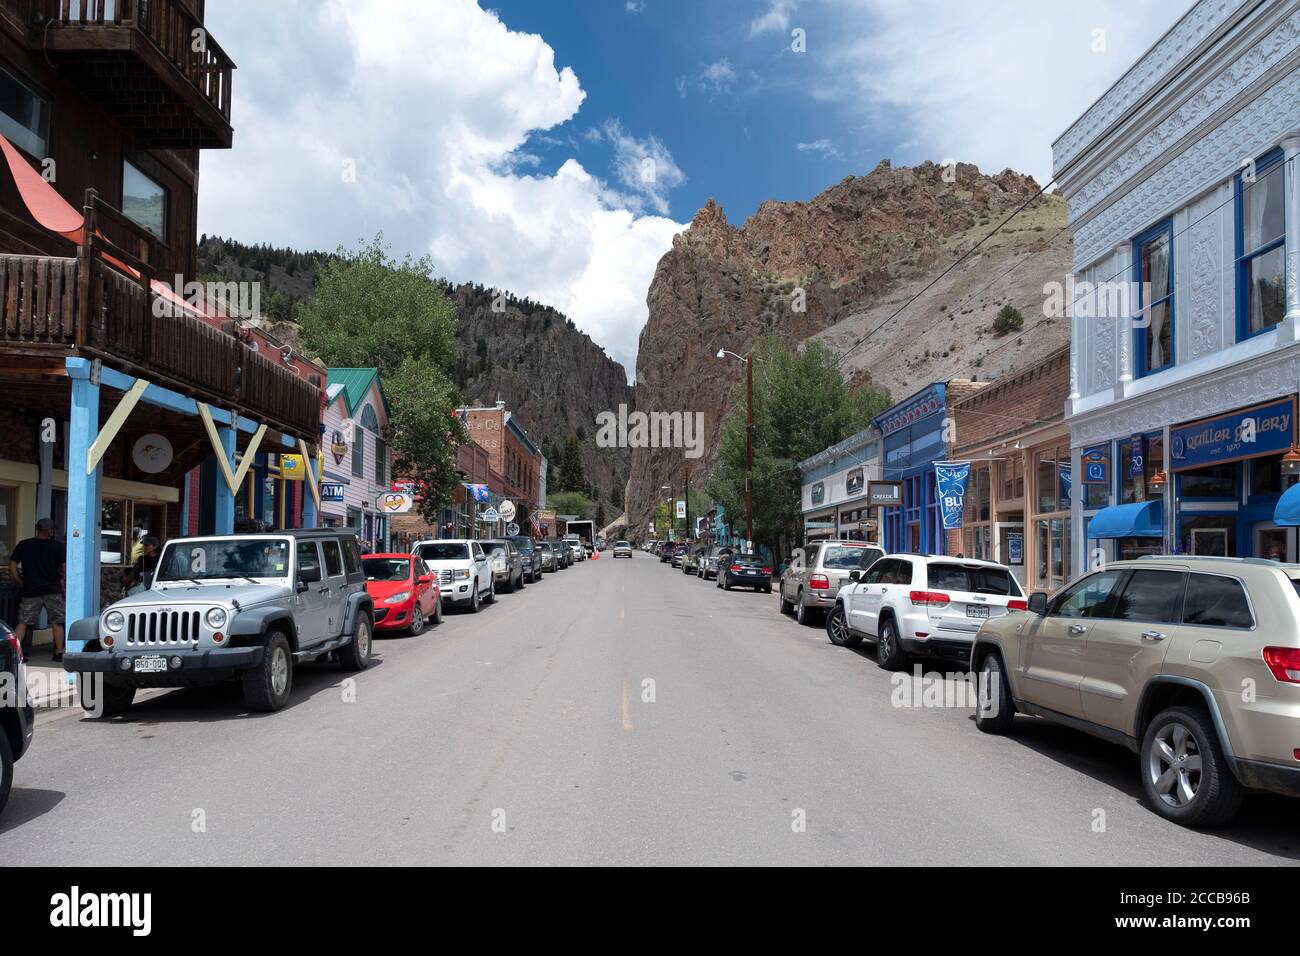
x=1212 y=481
x=1153 y=253
x=1138 y=466
x=8 y=518
x=381 y=462
x=358 y=452
x=1087 y=598
x=1261 y=255
x=308 y=556
x=1012 y=473
x=1151 y=596
x=900 y=572
x=1052 y=473
x=351 y=555
x=144 y=201
x=1095 y=462
x=24 y=116
x=954 y=577
x=112 y=524
x=333 y=559
x=1216 y=601
x=1266 y=475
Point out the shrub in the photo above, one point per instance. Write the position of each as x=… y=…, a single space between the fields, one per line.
x=1008 y=319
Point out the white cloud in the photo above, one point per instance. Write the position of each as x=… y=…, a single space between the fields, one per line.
x=434 y=117
x=634 y=6
x=719 y=76
x=822 y=147
x=776 y=19
x=643 y=166
x=992 y=88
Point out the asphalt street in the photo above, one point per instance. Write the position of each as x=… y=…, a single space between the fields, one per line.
x=617 y=712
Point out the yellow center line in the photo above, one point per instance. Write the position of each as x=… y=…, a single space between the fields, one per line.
x=627 y=707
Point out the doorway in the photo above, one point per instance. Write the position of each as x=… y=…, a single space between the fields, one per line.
x=1273 y=542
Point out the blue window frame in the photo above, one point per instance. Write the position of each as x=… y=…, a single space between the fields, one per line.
x=1261 y=252
x=1153 y=263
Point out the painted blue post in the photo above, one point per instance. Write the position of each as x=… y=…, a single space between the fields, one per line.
x=185 y=504
x=309 y=517
x=82 y=535
x=225 y=498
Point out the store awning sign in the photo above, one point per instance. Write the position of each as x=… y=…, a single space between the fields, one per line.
x=489 y=514
x=885 y=493
x=1262 y=430
x=950 y=480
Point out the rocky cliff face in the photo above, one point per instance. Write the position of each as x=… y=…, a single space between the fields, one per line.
x=802 y=268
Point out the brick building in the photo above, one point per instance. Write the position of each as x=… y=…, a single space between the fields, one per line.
x=1017 y=506
x=511 y=454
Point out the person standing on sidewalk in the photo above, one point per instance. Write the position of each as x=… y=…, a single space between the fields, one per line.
x=38 y=565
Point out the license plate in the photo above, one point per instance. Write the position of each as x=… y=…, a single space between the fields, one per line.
x=977 y=610
x=149 y=665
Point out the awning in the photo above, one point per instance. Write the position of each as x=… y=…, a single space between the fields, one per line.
x=1287 y=512
x=1143 y=519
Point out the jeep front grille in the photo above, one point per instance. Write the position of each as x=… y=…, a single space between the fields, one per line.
x=444 y=577
x=162 y=627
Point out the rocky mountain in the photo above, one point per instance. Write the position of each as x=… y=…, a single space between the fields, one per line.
x=550 y=374
x=836 y=267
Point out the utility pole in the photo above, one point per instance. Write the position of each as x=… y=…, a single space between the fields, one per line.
x=749 y=451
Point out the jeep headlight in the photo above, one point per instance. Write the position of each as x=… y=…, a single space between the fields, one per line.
x=498 y=565
x=216 y=617
x=398 y=598
x=462 y=574
x=114 y=620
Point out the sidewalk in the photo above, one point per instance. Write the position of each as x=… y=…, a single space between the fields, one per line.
x=47 y=682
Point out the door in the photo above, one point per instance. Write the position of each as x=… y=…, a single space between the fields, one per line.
x=482 y=568
x=894 y=577
x=1274 y=543
x=793 y=575
x=311 y=617
x=1128 y=647
x=1052 y=653
x=334 y=587
x=857 y=599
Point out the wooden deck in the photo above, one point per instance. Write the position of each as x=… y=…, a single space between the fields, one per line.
x=51 y=307
x=138 y=59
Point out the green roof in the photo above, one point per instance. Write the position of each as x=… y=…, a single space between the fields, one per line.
x=356 y=383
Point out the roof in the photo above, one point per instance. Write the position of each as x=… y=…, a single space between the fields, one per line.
x=356 y=384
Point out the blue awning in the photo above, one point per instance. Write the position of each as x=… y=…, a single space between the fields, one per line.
x=1143 y=519
x=1287 y=512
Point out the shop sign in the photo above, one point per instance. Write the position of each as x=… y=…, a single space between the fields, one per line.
x=508 y=511
x=512 y=529
x=338 y=446
x=1096 y=466
x=394 y=503
x=1136 y=456
x=818 y=493
x=1015 y=548
x=152 y=453
x=489 y=514
x=293 y=467
x=853 y=482
x=950 y=481
x=886 y=493
x=331 y=491
x=1262 y=430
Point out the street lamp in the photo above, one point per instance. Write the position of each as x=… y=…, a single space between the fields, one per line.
x=748 y=359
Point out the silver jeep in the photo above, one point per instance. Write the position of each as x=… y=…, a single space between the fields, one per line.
x=216 y=608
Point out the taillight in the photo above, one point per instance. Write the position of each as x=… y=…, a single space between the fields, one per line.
x=1014 y=605
x=928 y=598
x=818 y=582
x=734 y=567
x=1284 y=662
x=18 y=646
x=767 y=570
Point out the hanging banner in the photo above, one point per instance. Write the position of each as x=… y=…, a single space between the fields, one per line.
x=293 y=467
x=681 y=508
x=477 y=492
x=950 y=485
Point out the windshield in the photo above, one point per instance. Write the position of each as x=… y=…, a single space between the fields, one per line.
x=224 y=558
x=953 y=577
x=844 y=557
x=387 y=569
x=494 y=547
x=445 y=551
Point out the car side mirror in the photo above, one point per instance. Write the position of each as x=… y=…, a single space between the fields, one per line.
x=855 y=575
x=426 y=578
x=1038 y=603
x=308 y=575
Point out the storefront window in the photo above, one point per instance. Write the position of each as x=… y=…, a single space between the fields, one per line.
x=145 y=520
x=1011 y=473
x=8 y=528
x=1212 y=481
x=1266 y=475
x=977 y=493
x=1052 y=540
x=1138 y=466
x=1214 y=535
x=1126 y=549
x=112 y=525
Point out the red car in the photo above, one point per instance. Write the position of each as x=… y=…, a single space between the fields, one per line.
x=405 y=592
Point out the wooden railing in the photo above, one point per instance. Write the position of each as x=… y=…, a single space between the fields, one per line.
x=51 y=306
x=170 y=25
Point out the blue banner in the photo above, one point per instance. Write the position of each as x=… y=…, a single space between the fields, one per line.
x=950 y=484
x=1263 y=430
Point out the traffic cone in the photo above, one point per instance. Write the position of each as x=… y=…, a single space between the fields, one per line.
x=595 y=554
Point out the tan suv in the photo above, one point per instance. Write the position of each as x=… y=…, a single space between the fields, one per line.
x=1193 y=663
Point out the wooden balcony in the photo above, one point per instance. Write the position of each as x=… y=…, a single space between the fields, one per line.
x=137 y=60
x=53 y=307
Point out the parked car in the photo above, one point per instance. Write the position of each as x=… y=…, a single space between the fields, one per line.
x=529 y=555
x=246 y=606
x=507 y=563
x=691 y=559
x=405 y=593
x=622 y=549
x=463 y=570
x=816 y=573
x=17 y=718
x=1193 y=663
x=665 y=552
x=710 y=560
x=678 y=555
x=600 y=544
x=921 y=604
x=550 y=557
x=745 y=571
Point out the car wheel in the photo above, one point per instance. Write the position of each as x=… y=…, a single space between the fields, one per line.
x=837 y=629
x=108 y=701
x=802 y=613
x=522 y=582
x=726 y=584
x=768 y=589
x=1184 y=771
x=889 y=651
x=474 y=602
x=995 y=711
x=417 y=620
x=355 y=655
x=510 y=584
x=437 y=612
x=786 y=606
x=267 y=686
x=492 y=593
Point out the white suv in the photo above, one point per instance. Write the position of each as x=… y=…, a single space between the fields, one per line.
x=921 y=604
x=463 y=571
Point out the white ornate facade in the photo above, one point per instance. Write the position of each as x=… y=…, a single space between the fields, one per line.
x=1166 y=145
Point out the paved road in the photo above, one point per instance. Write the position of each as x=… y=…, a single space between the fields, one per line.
x=530 y=716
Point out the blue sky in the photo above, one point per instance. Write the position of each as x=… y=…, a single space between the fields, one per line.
x=507 y=142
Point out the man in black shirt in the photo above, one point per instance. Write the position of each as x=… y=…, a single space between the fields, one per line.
x=38 y=566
